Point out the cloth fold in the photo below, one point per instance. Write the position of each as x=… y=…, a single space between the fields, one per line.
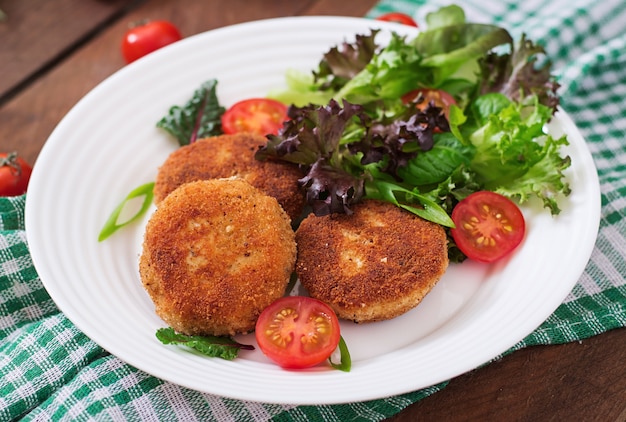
x=49 y=370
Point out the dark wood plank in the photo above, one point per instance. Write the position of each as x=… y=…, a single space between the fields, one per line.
x=581 y=381
x=28 y=119
x=37 y=33
x=339 y=8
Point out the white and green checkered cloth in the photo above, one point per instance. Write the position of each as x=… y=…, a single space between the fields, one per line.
x=49 y=370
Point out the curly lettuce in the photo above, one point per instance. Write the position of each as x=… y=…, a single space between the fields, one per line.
x=514 y=155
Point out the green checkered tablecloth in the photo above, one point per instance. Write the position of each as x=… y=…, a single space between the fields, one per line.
x=49 y=370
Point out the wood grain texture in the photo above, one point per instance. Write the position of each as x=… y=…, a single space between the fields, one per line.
x=38 y=33
x=581 y=381
x=76 y=43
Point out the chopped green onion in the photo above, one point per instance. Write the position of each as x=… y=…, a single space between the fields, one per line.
x=346 y=361
x=112 y=225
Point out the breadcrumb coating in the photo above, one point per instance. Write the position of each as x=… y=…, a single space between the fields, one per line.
x=227 y=156
x=375 y=264
x=215 y=254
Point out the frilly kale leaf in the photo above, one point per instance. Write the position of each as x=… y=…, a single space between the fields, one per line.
x=312 y=138
x=343 y=62
x=343 y=150
x=517 y=75
x=198 y=118
x=399 y=140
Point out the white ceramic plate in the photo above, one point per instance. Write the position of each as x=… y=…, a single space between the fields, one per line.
x=108 y=144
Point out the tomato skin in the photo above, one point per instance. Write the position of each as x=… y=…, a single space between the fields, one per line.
x=489 y=226
x=261 y=116
x=297 y=332
x=14 y=174
x=398 y=18
x=439 y=97
x=147 y=37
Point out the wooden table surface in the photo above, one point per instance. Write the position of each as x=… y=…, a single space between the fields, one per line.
x=53 y=52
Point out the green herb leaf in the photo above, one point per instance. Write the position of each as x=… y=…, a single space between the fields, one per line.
x=407 y=199
x=346 y=361
x=212 y=346
x=436 y=165
x=112 y=225
x=199 y=118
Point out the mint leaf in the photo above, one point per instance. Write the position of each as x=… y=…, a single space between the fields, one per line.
x=199 y=118
x=212 y=346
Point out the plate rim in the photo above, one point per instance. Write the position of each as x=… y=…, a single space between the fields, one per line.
x=33 y=203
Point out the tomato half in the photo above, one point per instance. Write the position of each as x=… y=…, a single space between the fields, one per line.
x=298 y=331
x=147 y=37
x=439 y=97
x=261 y=116
x=398 y=18
x=489 y=226
x=14 y=174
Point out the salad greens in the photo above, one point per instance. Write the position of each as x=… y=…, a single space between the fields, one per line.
x=198 y=118
x=358 y=138
x=212 y=346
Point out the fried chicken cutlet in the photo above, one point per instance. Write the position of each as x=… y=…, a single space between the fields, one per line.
x=375 y=264
x=215 y=254
x=227 y=156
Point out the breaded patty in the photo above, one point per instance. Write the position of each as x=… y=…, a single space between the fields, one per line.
x=227 y=156
x=215 y=254
x=375 y=264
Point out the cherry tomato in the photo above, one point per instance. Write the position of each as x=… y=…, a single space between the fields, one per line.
x=298 y=331
x=398 y=18
x=261 y=116
x=489 y=226
x=439 y=97
x=147 y=37
x=14 y=174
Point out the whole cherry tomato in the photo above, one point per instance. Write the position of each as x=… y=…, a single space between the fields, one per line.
x=147 y=37
x=398 y=18
x=439 y=97
x=14 y=174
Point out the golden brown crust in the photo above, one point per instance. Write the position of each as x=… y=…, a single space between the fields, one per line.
x=227 y=156
x=215 y=254
x=375 y=264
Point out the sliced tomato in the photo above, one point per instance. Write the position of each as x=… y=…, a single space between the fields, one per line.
x=398 y=18
x=298 y=331
x=438 y=97
x=261 y=116
x=489 y=226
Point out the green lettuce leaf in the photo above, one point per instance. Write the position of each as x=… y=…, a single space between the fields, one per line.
x=514 y=155
x=212 y=346
x=437 y=164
